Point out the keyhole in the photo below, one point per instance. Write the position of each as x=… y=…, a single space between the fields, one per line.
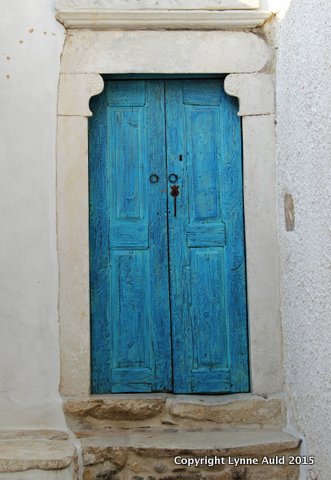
x=180 y=158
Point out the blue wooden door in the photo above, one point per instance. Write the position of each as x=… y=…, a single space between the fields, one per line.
x=130 y=316
x=168 y=295
x=206 y=239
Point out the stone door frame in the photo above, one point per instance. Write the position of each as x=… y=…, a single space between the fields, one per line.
x=243 y=58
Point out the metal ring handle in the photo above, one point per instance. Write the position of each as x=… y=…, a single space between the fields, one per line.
x=173 y=178
x=154 y=178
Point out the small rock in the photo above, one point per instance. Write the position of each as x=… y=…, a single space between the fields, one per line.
x=137 y=467
x=89 y=459
x=87 y=475
x=160 y=468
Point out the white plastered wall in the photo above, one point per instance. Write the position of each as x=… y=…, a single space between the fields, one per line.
x=304 y=171
x=240 y=54
x=29 y=357
x=31 y=43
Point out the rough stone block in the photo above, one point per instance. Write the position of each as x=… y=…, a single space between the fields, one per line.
x=115 y=408
x=238 y=410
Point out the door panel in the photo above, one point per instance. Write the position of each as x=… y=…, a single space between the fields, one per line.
x=131 y=345
x=206 y=239
x=189 y=128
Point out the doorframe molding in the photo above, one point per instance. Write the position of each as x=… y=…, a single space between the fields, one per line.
x=243 y=58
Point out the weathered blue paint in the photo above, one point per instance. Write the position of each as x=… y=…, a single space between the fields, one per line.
x=131 y=341
x=206 y=239
x=133 y=233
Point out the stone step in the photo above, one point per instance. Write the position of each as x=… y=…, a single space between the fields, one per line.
x=186 y=411
x=37 y=455
x=155 y=454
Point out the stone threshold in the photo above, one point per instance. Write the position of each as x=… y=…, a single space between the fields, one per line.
x=186 y=411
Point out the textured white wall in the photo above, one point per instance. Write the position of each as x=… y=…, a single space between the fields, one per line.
x=31 y=44
x=304 y=171
x=29 y=359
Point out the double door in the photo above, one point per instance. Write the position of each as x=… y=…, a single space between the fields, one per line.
x=167 y=263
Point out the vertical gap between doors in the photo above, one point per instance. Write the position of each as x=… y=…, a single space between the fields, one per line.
x=168 y=231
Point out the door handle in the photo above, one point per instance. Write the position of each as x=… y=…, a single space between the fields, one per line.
x=174 y=193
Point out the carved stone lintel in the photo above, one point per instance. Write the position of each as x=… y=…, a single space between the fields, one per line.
x=114 y=52
x=256 y=93
x=75 y=91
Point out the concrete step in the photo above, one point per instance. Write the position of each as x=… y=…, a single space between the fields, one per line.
x=163 y=454
x=179 y=411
